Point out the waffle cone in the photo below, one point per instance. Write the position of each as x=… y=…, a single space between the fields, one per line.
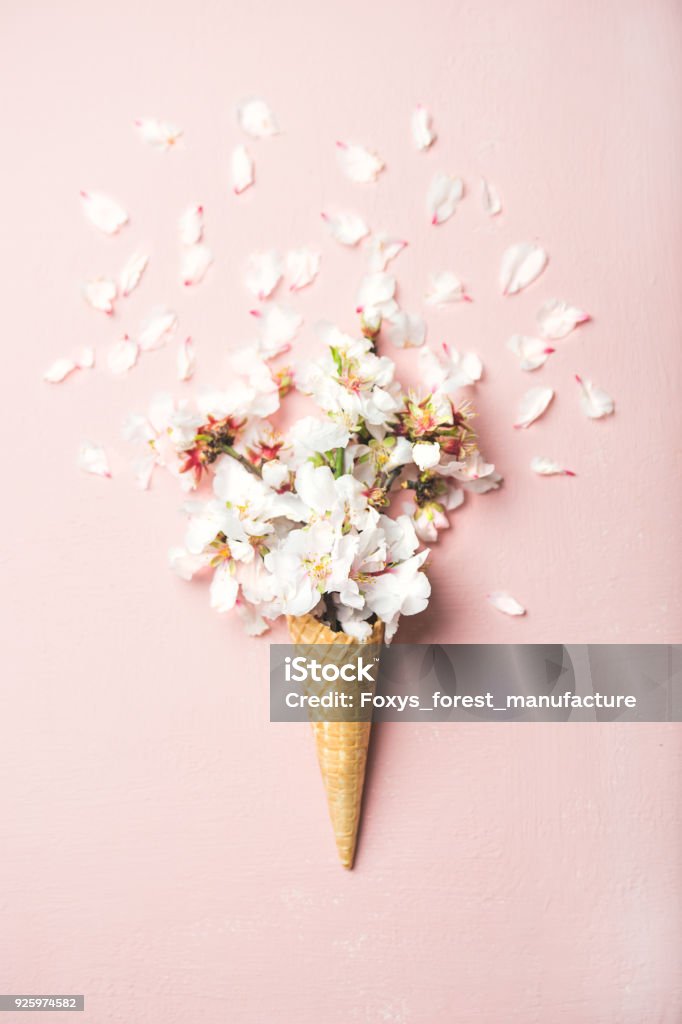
x=341 y=745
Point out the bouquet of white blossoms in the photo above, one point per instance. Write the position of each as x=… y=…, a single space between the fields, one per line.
x=303 y=522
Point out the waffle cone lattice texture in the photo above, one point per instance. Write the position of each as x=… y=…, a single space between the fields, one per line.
x=341 y=746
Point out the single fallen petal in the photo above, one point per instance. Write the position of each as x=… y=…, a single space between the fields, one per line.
x=422 y=128
x=256 y=119
x=102 y=211
x=186 y=360
x=59 y=370
x=407 y=330
x=155 y=329
x=132 y=273
x=547 y=467
x=93 y=459
x=557 y=319
x=532 y=352
x=85 y=358
x=346 y=228
x=490 y=199
x=100 y=294
x=242 y=169
x=521 y=264
x=506 y=603
x=532 y=406
x=594 y=401
x=382 y=249
x=277 y=326
x=263 y=273
x=192 y=224
x=159 y=134
x=443 y=196
x=122 y=356
x=303 y=266
x=444 y=288
x=358 y=163
x=194 y=262
x=375 y=294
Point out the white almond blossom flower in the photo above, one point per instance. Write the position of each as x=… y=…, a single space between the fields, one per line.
x=310 y=562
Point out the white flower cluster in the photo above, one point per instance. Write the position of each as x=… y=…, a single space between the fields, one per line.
x=301 y=521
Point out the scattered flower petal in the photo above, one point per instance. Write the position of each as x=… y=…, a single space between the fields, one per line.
x=61 y=368
x=192 y=225
x=506 y=603
x=382 y=250
x=407 y=330
x=186 y=360
x=93 y=459
x=532 y=352
x=100 y=294
x=195 y=261
x=532 y=406
x=557 y=318
x=422 y=128
x=257 y=120
x=132 y=273
x=444 y=288
x=346 y=228
x=263 y=273
x=154 y=330
x=376 y=295
x=303 y=266
x=447 y=371
x=521 y=264
x=443 y=196
x=242 y=169
x=490 y=198
x=277 y=326
x=594 y=401
x=159 y=134
x=122 y=356
x=358 y=163
x=105 y=213
x=547 y=467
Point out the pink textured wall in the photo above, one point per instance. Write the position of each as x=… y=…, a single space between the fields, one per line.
x=165 y=849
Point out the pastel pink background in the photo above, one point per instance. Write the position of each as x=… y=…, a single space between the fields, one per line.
x=166 y=849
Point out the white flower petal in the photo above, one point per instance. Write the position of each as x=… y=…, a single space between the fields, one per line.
x=277 y=326
x=407 y=330
x=444 y=288
x=158 y=134
x=102 y=211
x=59 y=370
x=194 y=262
x=422 y=128
x=192 y=224
x=532 y=406
x=100 y=294
x=123 y=355
x=547 y=467
x=186 y=360
x=224 y=588
x=346 y=228
x=594 y=401
x=93 y=459
x=85 y=358
x=242 y=169
x=557 y=319
x=132 y=273
x=263 y=273
x=155 y=329
x=256 y=119
x=375 y=294
x=490 y=199
x=521 y=264
x=312 y=435
x=358 y=163
x=426 y=454
x=506 y=603
x=443 y=196
x=303 y=266
x=532 y=352
x=382 y=250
